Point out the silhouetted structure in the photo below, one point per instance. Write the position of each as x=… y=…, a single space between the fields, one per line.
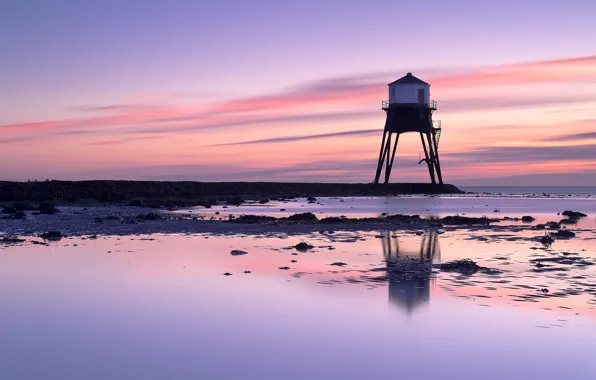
x=410 y=109
x=413 y=287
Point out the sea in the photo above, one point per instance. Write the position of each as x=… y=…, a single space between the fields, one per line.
x=532 y=190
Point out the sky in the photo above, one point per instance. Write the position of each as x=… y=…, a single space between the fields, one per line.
x=243 y=90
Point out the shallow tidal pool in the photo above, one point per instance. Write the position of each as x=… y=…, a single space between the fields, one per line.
x=160 y=307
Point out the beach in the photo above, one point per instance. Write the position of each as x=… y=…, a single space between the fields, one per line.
x=459 y=281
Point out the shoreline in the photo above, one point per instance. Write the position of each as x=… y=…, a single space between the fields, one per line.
x=184 y=193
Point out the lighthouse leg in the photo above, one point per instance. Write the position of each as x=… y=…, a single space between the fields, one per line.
x=390 y=166
x=437 y=162
x=381 y=158
x=387 y=153
x=431 y=153
x=431 y=170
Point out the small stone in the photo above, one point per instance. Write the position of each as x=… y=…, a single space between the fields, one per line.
x=564 y=234
x=303 y=247
x=238 y=252
x=52 y=235
x=574 y=214
x=47 y=208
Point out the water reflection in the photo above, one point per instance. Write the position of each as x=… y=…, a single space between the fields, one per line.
x=411 y=288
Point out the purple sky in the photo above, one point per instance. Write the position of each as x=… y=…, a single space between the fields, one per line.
x=78 y=60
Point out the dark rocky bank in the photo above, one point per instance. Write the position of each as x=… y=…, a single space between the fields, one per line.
x=198 y=193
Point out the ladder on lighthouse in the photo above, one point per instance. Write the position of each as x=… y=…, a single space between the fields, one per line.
x=437 y=132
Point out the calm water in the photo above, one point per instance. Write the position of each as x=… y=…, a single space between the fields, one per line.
x=129 y=308
x=520 y=190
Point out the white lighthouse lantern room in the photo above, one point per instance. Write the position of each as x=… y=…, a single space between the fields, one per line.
x=409 y=90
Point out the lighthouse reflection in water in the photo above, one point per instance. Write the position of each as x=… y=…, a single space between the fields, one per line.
x=411 y=261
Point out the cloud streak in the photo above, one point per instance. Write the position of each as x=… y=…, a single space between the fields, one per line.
x=358 y=132
x=574 y=137
x=343 y=91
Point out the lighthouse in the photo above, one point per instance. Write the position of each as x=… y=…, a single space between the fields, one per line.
x=410 y=109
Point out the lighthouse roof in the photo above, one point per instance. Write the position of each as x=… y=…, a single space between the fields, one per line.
x=409 y=79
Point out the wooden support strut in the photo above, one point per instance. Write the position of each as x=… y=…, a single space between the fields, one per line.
x=437 y=162
x=431 y=171
x=431 y=152
x=387 y=154
x=381 y=158
x=390 y=166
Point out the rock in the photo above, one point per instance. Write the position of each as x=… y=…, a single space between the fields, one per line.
x=528 y=218
x=333 y=220
x=303 y=217
x=564 y=234
x=568 y=221
x=338 y=264
x=11 y=240
x=284 y=268
x=465 y=220
x=227 y=274
x=238 y=252
x=466 y=267
x=253 y=219
x=47 y=208
x=234 y=201
x=9 y=210
x=23 y=206
x=149 y=216
x=136 y=203
x=264 y=201
x=293 y=261
x=547 y=240
x=573 y=214
x=282 y=209
x=52 y=235
x=311 y=199
x=402 y=218
x=247 y=272
x=303 y=247
x=20 y=215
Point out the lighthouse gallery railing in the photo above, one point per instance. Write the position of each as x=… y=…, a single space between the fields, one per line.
x=432 y=104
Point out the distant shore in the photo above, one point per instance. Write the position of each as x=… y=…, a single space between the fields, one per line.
x=185 y=193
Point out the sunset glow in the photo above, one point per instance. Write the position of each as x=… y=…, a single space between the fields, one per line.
x=204 y=108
